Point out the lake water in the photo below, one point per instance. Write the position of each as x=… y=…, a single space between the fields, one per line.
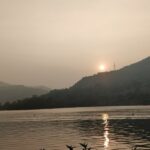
x=104 y=128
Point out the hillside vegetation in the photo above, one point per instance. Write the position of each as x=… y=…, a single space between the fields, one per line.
x=127 y=86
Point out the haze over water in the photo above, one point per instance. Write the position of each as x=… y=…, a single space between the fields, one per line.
x=104 y=128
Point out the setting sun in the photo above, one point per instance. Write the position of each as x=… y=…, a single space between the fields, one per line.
x=102 y=68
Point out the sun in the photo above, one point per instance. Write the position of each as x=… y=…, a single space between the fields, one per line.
x=102 y=68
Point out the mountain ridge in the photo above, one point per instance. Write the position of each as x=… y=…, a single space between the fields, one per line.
x=127 y=70
x=12 y=92
x=127 y=86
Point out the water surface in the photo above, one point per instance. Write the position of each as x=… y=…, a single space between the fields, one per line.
x=104 y=128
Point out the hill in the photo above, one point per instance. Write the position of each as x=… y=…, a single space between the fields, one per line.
x=127 y=86
x=9 y=92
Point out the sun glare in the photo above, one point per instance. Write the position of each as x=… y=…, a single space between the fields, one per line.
x=105 y=116
x=102 y=68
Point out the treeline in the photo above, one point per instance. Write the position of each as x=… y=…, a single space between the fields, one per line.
x=82 y=97
x=127 y=86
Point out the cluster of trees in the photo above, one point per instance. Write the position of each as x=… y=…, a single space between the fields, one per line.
x=84 y=97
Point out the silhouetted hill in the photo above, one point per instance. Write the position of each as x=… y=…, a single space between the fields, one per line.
x=9 y=92
x=127 y=86
x=138 y=72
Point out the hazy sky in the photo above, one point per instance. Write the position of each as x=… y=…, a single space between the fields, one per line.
x=56 y=42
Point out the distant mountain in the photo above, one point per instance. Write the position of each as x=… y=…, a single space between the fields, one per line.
x=127 y=86
x=9 y=92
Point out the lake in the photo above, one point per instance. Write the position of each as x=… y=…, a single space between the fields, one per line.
x=103 y=128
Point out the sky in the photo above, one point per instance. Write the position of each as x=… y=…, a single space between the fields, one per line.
x=57 y=42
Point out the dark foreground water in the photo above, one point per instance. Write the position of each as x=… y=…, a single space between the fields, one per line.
x=104 y=128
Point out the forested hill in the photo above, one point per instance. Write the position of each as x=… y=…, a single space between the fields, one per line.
x=127 y=86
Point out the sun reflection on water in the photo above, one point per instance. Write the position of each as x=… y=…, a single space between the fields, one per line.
x=105 y=118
